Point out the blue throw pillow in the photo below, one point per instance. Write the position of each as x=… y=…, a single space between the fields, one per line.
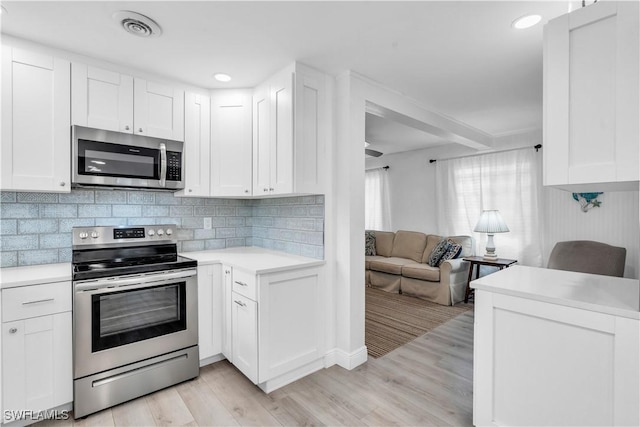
x=437 y=253
x=452 y=251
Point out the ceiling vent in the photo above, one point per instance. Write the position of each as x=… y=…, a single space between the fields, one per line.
x=137 y=24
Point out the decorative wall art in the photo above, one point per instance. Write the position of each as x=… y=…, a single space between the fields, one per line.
x=587 y=200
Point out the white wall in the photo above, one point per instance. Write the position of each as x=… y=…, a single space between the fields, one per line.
x=411 y=188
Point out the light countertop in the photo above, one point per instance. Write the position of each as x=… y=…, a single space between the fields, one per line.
x=253 y=259
x=605 y=294
x=34 y=275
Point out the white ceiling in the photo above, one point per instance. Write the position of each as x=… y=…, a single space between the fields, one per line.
x=459 y=59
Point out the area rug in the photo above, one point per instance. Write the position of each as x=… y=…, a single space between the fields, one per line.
x=392 y=320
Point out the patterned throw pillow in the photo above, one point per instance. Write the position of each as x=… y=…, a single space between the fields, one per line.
x=437 y=253
x=453 y=250
x=369 y=243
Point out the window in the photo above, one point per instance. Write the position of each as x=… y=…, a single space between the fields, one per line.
x=508 y=181
x=377 y=213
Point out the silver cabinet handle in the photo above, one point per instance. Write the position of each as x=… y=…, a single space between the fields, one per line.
x=246 y=191
x=271 y=189
x=227 y=272
x=140 y=130
x=190 y=190
x=265 y=189
x=38 y=301
x=13 y=330
x=62 y=183
x=240 y=303
x=126 y=127
x=241 y=283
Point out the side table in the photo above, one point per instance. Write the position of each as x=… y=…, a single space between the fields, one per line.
x=477 y=261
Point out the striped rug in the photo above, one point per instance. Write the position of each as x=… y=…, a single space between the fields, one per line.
x=392 y=320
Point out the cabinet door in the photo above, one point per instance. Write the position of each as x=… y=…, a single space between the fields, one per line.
x=310 y=131
x=231 y=162
x=36 y=117
x=37 y=363
x=291 y=332
x=101 y=99
x=209 y=310
x=281 y=131
x=196 y=146
x=261 y=141
x=158 y=110
x=591 y=95
x=245 y=335
x=227 y=331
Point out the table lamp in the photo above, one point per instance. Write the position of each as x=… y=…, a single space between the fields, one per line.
x=491 y=222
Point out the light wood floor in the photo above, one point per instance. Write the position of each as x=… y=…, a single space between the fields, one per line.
x=425 y=382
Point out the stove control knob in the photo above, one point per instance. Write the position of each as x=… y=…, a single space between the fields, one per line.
x=160 y=231
x=83 y=235
x=151 y=232
x=169 y=232
x=95 y=234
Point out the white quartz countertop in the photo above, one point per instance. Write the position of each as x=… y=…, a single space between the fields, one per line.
x=34 y=275
x=610 y=295
x=253 y=259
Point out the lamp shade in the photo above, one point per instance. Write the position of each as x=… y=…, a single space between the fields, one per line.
x=491 y=222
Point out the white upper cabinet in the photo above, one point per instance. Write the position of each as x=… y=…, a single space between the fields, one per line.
x=591 y=97
x=112 y=101
x=36 y=133
x=196 y=145
x=289 y=131
x=231 y=143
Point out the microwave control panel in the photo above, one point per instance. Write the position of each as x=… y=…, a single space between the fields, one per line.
x=174 y=166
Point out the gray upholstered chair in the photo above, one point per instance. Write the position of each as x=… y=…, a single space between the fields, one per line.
x=586 y=256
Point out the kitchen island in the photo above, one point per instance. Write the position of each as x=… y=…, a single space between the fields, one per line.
x=556 y=348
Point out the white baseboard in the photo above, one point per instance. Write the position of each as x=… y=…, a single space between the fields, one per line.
x=291 y=376
x=213 y=359
x=345 y=359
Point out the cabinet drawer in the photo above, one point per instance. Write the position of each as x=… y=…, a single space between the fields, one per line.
x=244 y=283
x=37 y=300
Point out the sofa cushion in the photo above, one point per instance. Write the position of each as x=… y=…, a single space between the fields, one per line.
x=389 y=265
x=432 y=242
x=452 y=251
x=466 y=242
x=437 y=253
x=368 y=259
x=384 y=242
x=369 y=242
x=409 y=244
x=421 y=271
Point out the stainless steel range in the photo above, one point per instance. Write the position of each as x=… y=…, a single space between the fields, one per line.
x=135 y=318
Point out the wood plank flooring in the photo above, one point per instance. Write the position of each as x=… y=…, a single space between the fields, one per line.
x=427 y=382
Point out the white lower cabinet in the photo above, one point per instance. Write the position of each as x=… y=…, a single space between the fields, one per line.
x=244 y=336
x=276 y=324
x=36 y=349
x=539 y=363
x=209 y=311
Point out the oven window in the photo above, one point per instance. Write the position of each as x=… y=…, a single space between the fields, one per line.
x=125 y=317
x=105 y=159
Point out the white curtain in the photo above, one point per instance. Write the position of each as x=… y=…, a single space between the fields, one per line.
x=509 y=182
x=377 y=208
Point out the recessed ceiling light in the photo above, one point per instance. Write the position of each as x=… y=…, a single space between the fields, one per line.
x=222 y=77
x=526 y=21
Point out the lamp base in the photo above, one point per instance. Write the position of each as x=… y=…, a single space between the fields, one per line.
x=490 y=257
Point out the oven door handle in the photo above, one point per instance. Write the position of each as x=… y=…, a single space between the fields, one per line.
x=132 y=282
x=163 y=164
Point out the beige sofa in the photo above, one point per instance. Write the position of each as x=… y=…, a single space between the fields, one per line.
x=401 y=265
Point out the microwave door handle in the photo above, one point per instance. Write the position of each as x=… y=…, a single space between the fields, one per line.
x=163 y=164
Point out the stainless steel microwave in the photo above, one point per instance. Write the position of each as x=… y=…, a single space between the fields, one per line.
x=113 y=159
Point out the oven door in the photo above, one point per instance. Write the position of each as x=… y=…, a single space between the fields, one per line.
x=122 y=320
